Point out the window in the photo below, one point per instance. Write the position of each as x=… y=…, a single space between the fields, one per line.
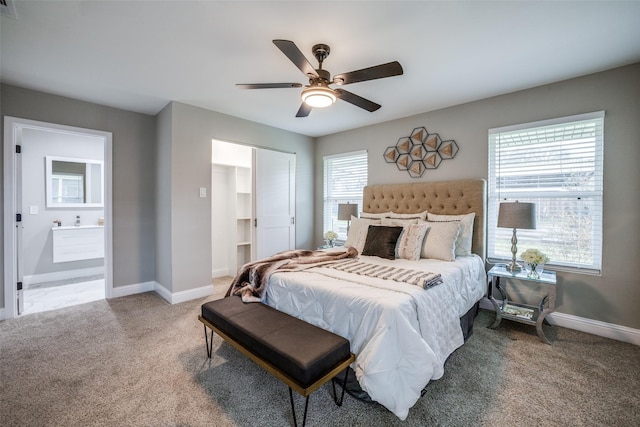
x=556 y=164
x=345 y=176
x=67 y=188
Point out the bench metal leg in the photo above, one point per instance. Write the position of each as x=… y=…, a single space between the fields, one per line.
x=306 y=403
x=208 y=341
x=293 y=410
x=344 y=386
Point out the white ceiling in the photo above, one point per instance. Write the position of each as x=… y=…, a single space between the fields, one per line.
x=139 y=55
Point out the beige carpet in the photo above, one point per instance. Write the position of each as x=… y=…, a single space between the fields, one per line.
x=138 y=361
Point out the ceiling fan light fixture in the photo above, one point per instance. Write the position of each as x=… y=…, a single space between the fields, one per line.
x=318 y=96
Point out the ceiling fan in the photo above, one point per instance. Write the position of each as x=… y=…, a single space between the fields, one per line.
x=318 y=93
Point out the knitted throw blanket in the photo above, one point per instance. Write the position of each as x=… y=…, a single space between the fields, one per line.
x=251 y=281
x=423 y=279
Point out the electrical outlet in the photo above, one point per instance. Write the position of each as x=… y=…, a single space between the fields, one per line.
x=203 y=192
x=33 y=210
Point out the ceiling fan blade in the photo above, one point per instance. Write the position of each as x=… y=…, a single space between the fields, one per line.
x=292 y=52
x=304 y=110
x=356 y=100
x=267 y=85
x=377 y=72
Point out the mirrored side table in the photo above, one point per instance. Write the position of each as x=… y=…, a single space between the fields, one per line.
x=523 y=313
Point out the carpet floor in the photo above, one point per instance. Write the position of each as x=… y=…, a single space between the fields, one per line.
x=138 y=361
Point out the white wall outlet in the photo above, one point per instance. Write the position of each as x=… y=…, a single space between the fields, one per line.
x=203 y=192
x=33 y=210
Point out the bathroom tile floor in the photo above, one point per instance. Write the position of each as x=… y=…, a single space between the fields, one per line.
x=45 y=298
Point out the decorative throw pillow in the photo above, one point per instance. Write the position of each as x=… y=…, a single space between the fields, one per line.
x=410 y=244
x=358 y=232
x=440 y=242
x=397 y=222
x=381 y=241
x=465 y=238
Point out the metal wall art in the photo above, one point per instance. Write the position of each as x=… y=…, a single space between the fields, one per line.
x=420 y=151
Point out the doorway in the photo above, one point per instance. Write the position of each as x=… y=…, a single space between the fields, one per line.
x=57 y=216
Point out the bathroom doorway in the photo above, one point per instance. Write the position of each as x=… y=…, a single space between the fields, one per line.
x=57 y=216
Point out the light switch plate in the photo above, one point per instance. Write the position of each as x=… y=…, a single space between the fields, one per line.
x=33 y=210
x=203 y=192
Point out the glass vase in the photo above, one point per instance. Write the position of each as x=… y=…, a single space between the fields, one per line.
x=534 y=270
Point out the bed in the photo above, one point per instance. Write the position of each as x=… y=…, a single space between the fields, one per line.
x=401 y=333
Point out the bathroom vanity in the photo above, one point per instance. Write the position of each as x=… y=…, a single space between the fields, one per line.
x=78 y=243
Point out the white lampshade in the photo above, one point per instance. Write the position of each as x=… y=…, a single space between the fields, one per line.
x=318 y=96
x=346 y=210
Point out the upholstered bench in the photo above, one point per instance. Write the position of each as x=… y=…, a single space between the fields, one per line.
x=301 y=355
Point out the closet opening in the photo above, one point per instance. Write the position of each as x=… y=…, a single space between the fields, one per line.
x=252 y=205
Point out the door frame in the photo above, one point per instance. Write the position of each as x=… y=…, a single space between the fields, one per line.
x=13 y=127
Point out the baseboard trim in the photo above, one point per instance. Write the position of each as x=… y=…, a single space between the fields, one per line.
x=183 y=296
x=220 y=272
x=62 y=275
x=582 y=324
x=2 y=310
x=137 y=288
x=170 y=297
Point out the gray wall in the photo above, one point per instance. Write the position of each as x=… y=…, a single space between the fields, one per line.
x=37 y=234
x=163 y=197
x=133 y=172
x=189 y=159
x=612 y=297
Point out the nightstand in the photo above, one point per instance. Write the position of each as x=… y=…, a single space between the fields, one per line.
x=523 y=313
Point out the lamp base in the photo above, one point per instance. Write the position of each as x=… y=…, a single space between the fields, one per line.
x=513 y=267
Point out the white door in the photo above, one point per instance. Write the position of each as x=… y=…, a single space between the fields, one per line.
x=275 y=202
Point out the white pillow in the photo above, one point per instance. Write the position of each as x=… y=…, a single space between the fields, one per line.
x=395 y=222
x=440 y=242
x=358 y=232
x=410 y=242
x=374 y=215
x=463 y=243
x=420 y=215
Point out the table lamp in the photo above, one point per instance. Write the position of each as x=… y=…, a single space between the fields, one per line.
x=345 y=211
x=516 y=215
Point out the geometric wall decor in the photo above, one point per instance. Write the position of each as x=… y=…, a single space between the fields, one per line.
x=420 y=151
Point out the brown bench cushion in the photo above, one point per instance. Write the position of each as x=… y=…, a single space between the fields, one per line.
x=302 y=351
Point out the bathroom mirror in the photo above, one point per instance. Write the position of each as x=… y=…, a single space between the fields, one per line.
x=74 y=183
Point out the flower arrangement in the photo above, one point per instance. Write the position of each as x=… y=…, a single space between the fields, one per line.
x=534 y=256
x=330 y=236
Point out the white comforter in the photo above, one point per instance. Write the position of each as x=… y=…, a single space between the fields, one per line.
x=401 y=334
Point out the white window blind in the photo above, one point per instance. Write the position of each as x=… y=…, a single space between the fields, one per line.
x=345 y=176
x=556 y=164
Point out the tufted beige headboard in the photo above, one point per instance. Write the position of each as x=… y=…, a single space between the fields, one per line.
x=440 y=197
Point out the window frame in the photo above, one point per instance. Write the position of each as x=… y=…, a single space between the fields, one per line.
x=592 y=198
